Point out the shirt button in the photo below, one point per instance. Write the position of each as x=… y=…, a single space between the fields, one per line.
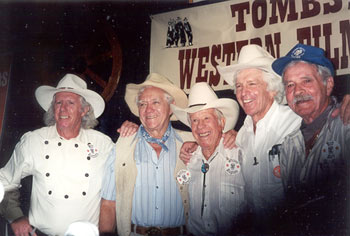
x=185 y=201
x=84 y=193
x=47 y=174
x=157 y=187
x=88 y=158
x=157 y=167
x=50 y=192
x=86 y=175
x=156 y=208
x=46 y=142
x=66 y=196
x=123 y=164
x=47 y=156
x=76 y=145
x=59 y=144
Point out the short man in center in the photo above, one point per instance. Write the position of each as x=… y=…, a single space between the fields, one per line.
x=214 y=177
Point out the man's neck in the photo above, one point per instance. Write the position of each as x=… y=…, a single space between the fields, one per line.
x=312 y=117
x=68 y=134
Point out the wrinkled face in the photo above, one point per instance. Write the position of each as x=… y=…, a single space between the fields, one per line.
x=154 y=111
x=306 y=93
x=68 y=111
x=206 y=128
x=252 y=93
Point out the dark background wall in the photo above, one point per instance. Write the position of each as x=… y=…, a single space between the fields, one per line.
x=47 y=40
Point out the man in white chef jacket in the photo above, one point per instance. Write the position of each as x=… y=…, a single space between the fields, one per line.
x=66 y=159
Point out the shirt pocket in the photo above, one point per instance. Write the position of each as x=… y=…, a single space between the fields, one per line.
x=231 y=198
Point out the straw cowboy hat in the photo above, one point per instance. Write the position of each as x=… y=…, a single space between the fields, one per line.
x=73 y=84
x=159 y=81
x=203 y=97
x=250 y=56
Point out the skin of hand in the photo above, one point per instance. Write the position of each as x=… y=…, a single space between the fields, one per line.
x=344 y=110
x=128 y=128
x=189 y=147
x=230 y=139
x=21 y=227
x=186 y=151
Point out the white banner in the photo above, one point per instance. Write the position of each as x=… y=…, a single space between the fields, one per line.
x=188 y=44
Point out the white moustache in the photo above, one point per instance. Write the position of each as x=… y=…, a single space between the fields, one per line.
x=302 y=98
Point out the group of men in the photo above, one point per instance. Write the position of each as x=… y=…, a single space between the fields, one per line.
x=288 y=160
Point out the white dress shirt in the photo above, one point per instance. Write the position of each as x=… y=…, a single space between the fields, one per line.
x=262 y=172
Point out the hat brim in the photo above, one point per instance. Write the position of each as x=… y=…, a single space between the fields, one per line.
x=132 y=90
x=228 y=107
x=44 y=95
x=280 y=64
x=228 y=72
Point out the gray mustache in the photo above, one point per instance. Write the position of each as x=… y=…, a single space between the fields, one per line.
x=302 y=98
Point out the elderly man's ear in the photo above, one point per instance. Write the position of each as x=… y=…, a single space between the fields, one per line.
x=330 y=85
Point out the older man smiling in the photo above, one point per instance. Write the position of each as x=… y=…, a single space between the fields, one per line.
x=216 y=186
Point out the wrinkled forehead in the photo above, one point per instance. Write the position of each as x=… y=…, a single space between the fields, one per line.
x=249 y=74
x=151 y=92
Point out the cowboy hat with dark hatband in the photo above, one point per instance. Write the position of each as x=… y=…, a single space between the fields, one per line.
x=159 y=81
x=202 y=97
x=250 y=56
x=73 y=84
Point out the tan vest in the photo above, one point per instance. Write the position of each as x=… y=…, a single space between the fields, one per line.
x=126 y=172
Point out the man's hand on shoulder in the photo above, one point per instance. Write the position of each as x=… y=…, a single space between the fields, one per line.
x=230 y=139
x=344 y=110
x=21 y=227
x=186 y=151
x=128 y=128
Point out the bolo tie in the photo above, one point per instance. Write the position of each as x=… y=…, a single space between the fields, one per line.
x=205 y=169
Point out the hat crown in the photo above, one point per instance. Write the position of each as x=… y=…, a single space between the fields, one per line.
x=201 y=94
x=301 y=50
x=252 y=52
x=71 y=81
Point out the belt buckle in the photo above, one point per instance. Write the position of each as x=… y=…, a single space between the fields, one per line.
x=154 y=231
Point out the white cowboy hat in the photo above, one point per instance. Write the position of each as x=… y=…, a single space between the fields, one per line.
x=73 y=84
x=82 y=228
x=250 y=56
x=159 y=81
x=202 y=97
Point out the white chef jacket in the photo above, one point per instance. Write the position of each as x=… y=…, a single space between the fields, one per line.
x=261 y=173
x=224 y=191
x=67 y=176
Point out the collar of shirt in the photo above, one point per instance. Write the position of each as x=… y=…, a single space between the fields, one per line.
x=265 y=121
x=216 y=154
x=53 y=134
x=160 y=141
